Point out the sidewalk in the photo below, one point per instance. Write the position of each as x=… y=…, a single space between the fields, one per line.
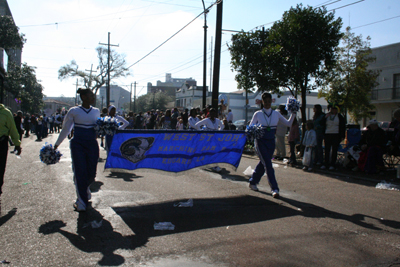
x=388 y=175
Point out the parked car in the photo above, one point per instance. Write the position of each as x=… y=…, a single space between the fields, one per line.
x=240 y=125
x=382 y=124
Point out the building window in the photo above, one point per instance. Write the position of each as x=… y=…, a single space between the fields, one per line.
x=396 y=80
x=396 y=85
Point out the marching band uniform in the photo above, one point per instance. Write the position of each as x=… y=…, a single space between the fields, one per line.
x=192 y=122
x=119 y=119
x=84 y=150
x=265 y=146
x=211 y=125
x=216 y=125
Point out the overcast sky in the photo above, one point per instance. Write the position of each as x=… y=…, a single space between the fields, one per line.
x=58 y=31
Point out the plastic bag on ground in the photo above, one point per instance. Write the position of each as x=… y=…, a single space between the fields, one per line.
x=184 y=204
x=248 y=171
x=387 y=186
x=164 y=226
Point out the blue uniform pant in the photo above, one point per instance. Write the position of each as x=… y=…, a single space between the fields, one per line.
x=85 y=155
x=265 y=150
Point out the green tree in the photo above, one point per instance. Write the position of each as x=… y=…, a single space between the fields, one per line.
x=352 y=82
x=254 y=68
x=23 y=84
x=10 y=38
x=298 y=52
x=158 y=100
x=97 y=79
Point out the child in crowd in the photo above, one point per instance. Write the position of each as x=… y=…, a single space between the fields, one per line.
x=179 y=124
x=293 y=137
x=310 y=142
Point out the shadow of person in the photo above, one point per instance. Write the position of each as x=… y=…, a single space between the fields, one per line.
x=233 y=177
x=8 y=216
x=95 y=234
x=314 y=211
x=126 y=176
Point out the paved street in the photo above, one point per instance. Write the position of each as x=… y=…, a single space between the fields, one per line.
x=321 y=219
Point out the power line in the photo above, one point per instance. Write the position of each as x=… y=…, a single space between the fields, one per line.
x=95 y=17
x=165 y=41
x=346 y=5
x=376 y=22
x=172 y=35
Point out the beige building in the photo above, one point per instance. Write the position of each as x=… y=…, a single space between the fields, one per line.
x=386 y=96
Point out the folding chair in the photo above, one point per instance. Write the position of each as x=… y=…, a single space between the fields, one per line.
x=353 y=137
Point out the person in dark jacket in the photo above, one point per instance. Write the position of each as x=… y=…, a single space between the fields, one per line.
x=335 y=131
x=319 y=127
x=372 y=145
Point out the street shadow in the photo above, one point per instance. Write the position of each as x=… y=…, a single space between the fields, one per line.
x=225 y=174
x=221 y=212
x=95 y=186
x=89 y=239
x=126 y=176
x=8 y=216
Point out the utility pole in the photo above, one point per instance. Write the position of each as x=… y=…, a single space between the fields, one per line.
x=134 y=98
x=130 y=100
x=90 y=76
x=108 y=69
x=211 y=57
x=217 y=59
x=76 y=84
x=205 y=57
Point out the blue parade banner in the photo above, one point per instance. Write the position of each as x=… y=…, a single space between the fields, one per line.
x=174 y=151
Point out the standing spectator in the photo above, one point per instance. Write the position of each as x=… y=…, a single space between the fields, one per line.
x=18 y=119
x=193 y=119
x=281 y=130
x=335 y=130
x=112 y=113
x=7 y=128
x=131 y=120
x=319 y=127
x=165 y=122
x=104 y=113
x=139 y=121
x=229 y=117
x=27 y=124
x=33 y=123
x=39 y=129
x=57 y=122
x=44 y=126
x=293 y=138
x=309 y=142
x=174 y=118
x=51 y=123
x=179 y=124
x=152 y=120
x=185 y=118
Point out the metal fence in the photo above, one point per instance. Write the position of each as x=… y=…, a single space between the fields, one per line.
x=385 y=94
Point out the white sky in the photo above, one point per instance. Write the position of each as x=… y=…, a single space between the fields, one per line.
x=139 y=26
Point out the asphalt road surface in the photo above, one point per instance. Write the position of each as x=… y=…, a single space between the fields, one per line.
x=321 y=219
